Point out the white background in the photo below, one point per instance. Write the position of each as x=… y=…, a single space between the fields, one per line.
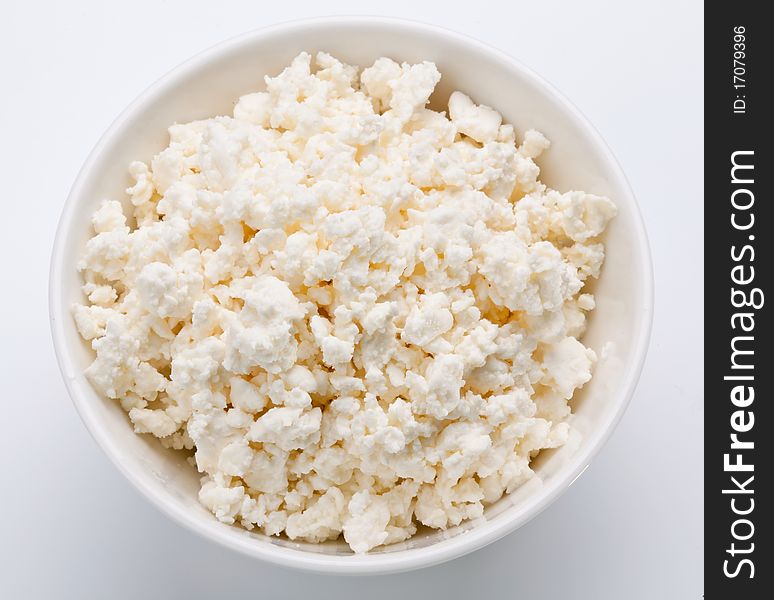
x=72 y=527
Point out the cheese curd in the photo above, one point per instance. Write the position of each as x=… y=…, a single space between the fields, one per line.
x=359 y=314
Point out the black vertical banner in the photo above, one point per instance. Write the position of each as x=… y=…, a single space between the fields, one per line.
x=738 y=264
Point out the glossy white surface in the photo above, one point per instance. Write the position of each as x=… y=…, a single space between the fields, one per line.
x=51 y=441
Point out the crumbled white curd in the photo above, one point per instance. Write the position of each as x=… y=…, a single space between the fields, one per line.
x=361 y=314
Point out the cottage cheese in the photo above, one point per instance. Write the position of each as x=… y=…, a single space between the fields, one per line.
x=358 y=313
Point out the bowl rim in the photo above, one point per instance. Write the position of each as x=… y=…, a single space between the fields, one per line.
x=380 y=563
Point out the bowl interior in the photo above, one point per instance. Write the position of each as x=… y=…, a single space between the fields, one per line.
x=209 y=85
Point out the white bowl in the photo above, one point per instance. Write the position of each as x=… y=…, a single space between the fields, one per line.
x=208 y=85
